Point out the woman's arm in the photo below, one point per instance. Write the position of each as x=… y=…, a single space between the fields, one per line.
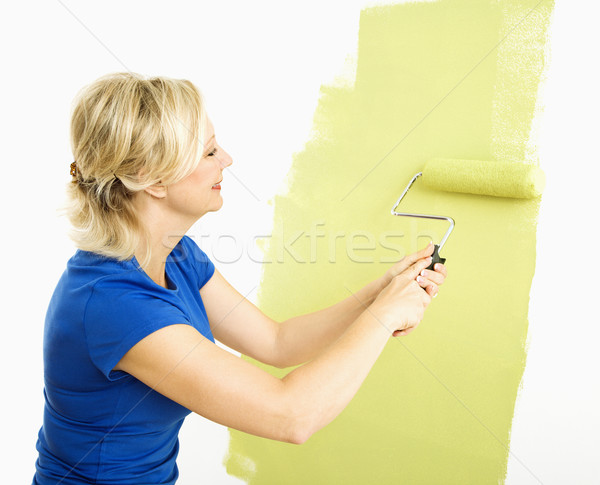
x=180 y=363
x=241 y=326
x=303 y=337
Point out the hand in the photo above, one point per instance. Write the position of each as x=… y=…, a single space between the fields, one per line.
x=428 y=279
x=431 y=280
x=402 y=303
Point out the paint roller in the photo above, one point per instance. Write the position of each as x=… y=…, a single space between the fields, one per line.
x=493 y=178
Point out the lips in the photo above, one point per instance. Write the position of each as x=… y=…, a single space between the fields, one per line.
x=217 y=185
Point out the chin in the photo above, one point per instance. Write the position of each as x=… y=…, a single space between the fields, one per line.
x=216 y=206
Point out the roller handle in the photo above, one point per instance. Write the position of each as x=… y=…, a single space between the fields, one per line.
x=435 y=258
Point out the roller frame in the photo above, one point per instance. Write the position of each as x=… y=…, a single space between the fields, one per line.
x=423 y=216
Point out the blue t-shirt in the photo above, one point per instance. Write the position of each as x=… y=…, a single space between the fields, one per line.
x=100 y=425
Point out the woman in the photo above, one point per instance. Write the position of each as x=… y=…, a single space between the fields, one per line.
x=129 y=337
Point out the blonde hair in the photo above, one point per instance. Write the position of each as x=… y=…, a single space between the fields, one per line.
x=128 y=133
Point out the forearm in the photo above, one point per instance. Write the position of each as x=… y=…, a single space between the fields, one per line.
x=303 y=337
x=323 y=387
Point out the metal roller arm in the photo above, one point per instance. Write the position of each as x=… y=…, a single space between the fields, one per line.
x=423 y=216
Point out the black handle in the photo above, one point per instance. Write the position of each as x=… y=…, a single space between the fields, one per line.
x=436 y=258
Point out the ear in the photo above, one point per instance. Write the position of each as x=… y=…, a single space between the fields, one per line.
x=158 y=191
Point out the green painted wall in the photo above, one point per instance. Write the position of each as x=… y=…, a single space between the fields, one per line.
x=452 y=79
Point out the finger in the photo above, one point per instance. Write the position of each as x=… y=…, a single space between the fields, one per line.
x=433 y=276
x=440 y=268
x=405 y=262
x=432 y=290
x=423 y=253
x=429 y=286
x=429 y=293
x=406 y=331
x=413 y=271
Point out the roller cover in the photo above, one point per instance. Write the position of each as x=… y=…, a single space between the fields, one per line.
x=496 y=178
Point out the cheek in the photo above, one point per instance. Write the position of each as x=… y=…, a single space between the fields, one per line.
x=203 y=175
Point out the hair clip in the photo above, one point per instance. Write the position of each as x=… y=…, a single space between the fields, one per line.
x=73 y=171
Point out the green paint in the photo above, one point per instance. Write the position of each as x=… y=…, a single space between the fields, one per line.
x=413 y=419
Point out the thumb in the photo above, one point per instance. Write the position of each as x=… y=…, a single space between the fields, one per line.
x=423 y=253
x=413 y=271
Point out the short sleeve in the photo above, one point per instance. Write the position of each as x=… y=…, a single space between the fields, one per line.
x=202 y=266
x=117 y=317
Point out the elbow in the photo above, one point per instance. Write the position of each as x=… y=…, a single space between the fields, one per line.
x=304 y=411
x=299 y=419
x=299 y=436
x=296 y=428
x=279 y=362
x=302 y=425
x=285 y=363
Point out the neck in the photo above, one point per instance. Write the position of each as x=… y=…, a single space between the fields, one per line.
x=164 y=231
x=155 y=266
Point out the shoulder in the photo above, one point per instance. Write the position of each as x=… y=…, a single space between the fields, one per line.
x=129 y=296
x=122 y=307
x=191 y=257
x=188 y=247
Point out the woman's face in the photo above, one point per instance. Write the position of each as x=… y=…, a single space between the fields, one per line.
x=196 y=194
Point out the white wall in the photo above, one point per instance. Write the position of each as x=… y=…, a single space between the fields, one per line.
x=556 y=429
x=260 y=66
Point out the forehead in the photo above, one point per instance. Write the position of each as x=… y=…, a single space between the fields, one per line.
x=209 y=135
x=209 y=129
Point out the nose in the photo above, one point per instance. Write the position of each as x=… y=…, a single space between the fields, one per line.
x=225 y=160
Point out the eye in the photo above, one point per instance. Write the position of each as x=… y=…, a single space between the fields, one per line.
x=212 y=153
